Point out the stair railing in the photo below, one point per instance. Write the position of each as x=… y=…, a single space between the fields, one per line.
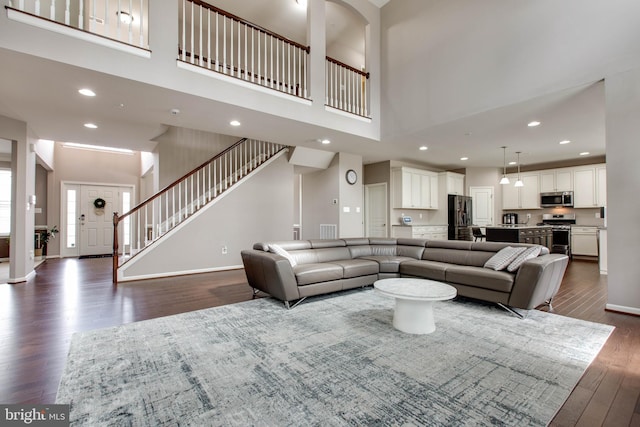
x=153 y=218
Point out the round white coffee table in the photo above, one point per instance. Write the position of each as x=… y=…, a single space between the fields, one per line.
x=413 y=313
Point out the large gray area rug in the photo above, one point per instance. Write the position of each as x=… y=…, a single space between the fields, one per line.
x=331 y=361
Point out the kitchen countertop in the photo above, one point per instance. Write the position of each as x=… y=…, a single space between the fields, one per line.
x=516 y=226
x=419 y=225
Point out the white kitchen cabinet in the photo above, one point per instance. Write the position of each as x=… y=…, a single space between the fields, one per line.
x=415 y=189
x=525 y=197
x=556 y=180
x=590 y=186
x=429 y=232
x=584 y=241
x=454 y=183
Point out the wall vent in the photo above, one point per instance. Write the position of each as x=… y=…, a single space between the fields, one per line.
x=328 y=231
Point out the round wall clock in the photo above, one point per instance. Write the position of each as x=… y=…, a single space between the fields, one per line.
x=351 y=176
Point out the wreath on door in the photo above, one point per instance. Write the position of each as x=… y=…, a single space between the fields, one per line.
x=99 y=203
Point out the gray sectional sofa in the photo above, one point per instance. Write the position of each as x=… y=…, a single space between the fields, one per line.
x=315 y=267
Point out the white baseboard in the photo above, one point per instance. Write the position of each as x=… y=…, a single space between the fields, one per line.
x=623 y=309
x=176 y=273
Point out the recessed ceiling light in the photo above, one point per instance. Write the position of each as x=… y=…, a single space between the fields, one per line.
x=513 y=163
x=234 y=123
x=424 y=148
x=585 y=153
x=566 y=141
x=86 y=92
x=464 y=158
x=533 y=124
x=325 y=141
x=91 y=126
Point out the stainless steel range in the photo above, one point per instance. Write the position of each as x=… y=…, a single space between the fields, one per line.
x=561 y=229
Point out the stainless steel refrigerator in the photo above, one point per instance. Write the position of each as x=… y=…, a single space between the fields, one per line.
x=460 y=217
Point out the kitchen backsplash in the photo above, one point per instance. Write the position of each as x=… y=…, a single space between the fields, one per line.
x=583 y=216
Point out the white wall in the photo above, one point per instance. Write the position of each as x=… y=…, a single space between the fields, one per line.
x=449 y=59
x=319 y=190
x=623 y=180
x=86 y=166
x=259 y=209
x=351 y=197
x=181 y=150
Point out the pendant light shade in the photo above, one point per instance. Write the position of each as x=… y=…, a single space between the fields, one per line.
x=519 y=182
x=504 y=179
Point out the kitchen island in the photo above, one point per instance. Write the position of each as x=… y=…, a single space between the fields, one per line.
x=520 y=233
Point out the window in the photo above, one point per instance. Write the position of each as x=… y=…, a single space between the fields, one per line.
x=71 y=219
x=5 y=201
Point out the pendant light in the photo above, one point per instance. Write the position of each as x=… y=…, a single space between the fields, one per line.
x=504 y=179
x=519 y=182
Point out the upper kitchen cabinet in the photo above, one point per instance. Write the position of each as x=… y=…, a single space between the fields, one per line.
x=414 y=188
x=556 y=180
x=454 y=183
x=525 y=197
x=590 y=186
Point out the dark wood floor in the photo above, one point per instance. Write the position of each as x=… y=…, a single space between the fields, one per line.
x=71 y=295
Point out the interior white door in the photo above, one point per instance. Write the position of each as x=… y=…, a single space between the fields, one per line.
x=375 y=202
x=96 y=224
x=482 y=205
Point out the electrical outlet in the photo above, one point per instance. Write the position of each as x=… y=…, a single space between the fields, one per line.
x=224 y=250
x=528 y=216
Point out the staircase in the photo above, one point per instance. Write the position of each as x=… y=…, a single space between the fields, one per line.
x=145 y=224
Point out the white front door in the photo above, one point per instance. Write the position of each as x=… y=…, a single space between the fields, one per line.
x=96 y=224
x=482 y=205
x=375 y=202
x=88 y=229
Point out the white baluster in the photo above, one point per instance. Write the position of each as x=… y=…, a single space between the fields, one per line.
x=239 y=50
x=217 y=44
x=184 y=30
x=52 y=9
x=193 y=53
x=118 y=25
x=200 y=38
x=208 y=39
x=37 y=10
x=271 y=59
x=253 y=68
x=224 y=44
x=231 y=46
x=304 y=72
x=130 y=21
x=142 y=44
x=246 y=53
x=259 y=73
x=277 y=79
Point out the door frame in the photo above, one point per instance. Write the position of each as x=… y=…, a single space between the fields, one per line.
x=75 y=252
x=367 y=207
x=492 y=204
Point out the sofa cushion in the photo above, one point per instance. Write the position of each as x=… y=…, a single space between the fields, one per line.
x=317 y=272
x=357 y=267
x=433 y=270
x=480 y=277
x=503 y=258
x=277 y=249
x=332 y=254
x=528 y=253
x=388 y=263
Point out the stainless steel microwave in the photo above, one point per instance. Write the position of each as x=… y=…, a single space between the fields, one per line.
x=556 y=199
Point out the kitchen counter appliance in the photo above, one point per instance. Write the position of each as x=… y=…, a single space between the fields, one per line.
x=561 y=231
x=510 y=218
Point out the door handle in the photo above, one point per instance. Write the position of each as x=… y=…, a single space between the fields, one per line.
x=81 y=217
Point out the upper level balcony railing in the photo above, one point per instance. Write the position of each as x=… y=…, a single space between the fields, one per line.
x=219 y=41
x=346 y=88
x=121 y=20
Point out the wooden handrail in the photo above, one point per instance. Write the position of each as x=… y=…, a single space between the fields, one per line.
x=177 y=181
x=249 y=24
x=348 y=67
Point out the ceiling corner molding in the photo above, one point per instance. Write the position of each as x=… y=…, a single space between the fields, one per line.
x=379 y=3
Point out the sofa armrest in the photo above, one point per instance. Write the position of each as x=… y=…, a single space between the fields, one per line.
x=538 y=280
x=270 y=273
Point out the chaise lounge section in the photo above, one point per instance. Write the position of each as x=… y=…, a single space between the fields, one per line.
x=305 y=268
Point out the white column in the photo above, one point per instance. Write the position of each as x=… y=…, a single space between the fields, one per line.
x=23 y=166
x=316 y=38
x=622 y=94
